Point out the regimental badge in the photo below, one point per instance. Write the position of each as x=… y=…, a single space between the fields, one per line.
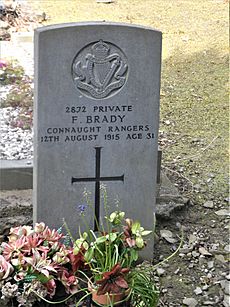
x=100 y=70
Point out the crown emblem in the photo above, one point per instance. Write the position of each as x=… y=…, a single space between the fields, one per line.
x=100 y=50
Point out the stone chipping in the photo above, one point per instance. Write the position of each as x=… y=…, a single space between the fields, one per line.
x=15 y=143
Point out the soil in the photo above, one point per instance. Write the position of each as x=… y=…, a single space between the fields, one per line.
x=190 y=269
x=16 y=17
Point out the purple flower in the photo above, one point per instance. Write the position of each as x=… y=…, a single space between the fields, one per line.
x=82 y=208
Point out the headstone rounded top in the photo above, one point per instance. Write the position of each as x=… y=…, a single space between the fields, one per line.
x=95 y=23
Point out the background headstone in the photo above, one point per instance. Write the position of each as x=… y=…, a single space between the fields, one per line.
x=96 y=121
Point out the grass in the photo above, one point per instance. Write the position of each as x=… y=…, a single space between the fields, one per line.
x=194 y=93
x=195 y=102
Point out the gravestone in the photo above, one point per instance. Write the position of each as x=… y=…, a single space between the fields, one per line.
x=96 y=119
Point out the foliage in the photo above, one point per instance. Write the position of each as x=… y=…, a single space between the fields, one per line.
x=111 y=253
x=11 y=73
x=33 y=262
x=113 y=281
x=199 y=127
x=144 y=292
x=20 y=95
x=24 y=119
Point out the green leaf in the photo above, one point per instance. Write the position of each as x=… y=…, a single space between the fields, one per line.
x=146 y=232
x=139 y=242
x=89 y=254
x=134 y=255
x=121 y=214
x=85 y=245
x=101 y=240
x=30 y=277
x=85 y=235
x=46 y=243
x=78 y=243
x=76 y=250
x=112 y=216
x=112 y=236
x=44 y=279
x=135 y=227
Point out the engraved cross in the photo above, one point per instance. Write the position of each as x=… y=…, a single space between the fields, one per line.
x=97 y=179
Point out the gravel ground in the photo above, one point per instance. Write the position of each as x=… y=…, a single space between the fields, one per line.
x=16 y=143
x=199 y=274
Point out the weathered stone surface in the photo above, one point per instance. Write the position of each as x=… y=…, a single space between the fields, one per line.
x=15 y=209
x=226 y=300
x=15 y=175
x=168 y=201
x=168 y=236
x=209 y=204
x=191 y=302
x=223 y=212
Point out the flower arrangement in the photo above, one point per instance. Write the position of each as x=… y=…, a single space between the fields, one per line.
x=111 y=254
x=33 y=262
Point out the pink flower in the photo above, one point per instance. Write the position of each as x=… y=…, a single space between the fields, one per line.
x=50 y=235
x=33 y=241
x=20 y=231
x=69 y=281
x=20 y=276
x=5 y=268
x=13 y=249
x=131 y=242
x=3 y=63
x=41 y=264
x=51 y=287
x=113 y=281
x=77 y=261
